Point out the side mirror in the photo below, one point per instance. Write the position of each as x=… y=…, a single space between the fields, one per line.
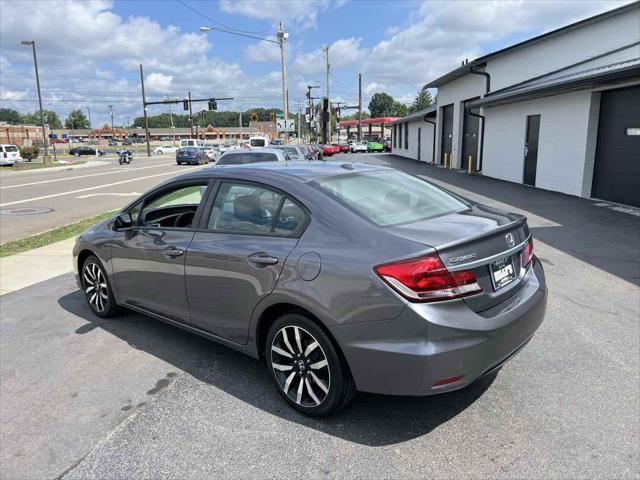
x=123 y=221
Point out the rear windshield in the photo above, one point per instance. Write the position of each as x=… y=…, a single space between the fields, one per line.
x=10 y=148
x=390 y=197
x=248 y=157
x=258 y=142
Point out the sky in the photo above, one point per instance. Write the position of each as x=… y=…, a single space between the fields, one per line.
x=89 y=52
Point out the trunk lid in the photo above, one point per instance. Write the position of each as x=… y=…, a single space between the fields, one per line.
x=474 y=240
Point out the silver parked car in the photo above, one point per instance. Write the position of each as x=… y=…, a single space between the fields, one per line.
x=256 y=155
x=341 y=277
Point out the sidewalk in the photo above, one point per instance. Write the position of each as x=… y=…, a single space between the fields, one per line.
x=34 y=266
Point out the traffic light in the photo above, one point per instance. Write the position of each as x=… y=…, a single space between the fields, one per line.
x=203 y=114
x=308 y=94
x=272 y=116
x=213 y=105
x=254 y=117
x=325 y=104
x=185 y=104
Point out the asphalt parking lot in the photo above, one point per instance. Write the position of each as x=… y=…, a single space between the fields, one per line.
x=83 y=397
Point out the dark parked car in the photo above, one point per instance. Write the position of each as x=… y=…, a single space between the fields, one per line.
x=341 y=276
x=191 y=155
x=296 y=152
x=85 y=151
x=126 y=141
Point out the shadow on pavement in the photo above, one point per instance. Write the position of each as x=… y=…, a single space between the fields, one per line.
x=373 y=420
x=602 y=237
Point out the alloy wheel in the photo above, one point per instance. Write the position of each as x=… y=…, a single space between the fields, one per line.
x=95 y=287
x=300 y=366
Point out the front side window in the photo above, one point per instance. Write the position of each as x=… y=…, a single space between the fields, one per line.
x=174 y=208
x=254 y=210
x=390 y=197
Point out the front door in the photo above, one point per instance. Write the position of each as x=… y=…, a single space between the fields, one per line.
x=470 y=131
x=236 y=257
x=148 y=259
x=531 y=150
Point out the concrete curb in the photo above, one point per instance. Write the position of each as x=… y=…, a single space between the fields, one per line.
x=35 y=266
x=67 y=166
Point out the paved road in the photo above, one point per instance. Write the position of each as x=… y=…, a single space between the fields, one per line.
x=67 y=195
x=134 y=398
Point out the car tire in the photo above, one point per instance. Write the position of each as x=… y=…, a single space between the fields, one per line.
x=97 y=288
x=179 y=163
x=313 y=380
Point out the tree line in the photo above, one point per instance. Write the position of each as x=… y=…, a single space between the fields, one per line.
x=75 y=119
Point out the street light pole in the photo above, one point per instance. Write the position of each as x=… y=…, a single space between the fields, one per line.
x=113 y=131
x=35 y=63
x=282 y=36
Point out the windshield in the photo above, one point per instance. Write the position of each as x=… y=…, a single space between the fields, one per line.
x=389 y=197
x=247 y=157
x=291 y=151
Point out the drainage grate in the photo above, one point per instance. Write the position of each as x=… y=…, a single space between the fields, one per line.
x=25 y=211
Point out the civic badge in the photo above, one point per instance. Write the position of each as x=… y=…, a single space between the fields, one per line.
x=510 y=240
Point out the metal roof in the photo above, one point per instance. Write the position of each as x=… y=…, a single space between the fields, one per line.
x=419 y=115
x=565 y=81
x=481 y=61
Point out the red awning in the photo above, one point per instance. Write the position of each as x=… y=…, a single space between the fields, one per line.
x=367 y=121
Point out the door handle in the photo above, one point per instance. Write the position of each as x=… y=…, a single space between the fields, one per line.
x=262 y=259
x=172 y=252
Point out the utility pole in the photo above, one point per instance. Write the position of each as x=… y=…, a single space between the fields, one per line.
x=359 y=107
x=113 y=132
x=282 y=36
x=89 y=112
x=35 y=64
x=330 y=135
x=144 y=108
x=240 y=128
x=190 y=117
x=173 y=128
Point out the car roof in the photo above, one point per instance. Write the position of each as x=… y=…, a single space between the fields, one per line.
x=254 y=150
x=301 y=171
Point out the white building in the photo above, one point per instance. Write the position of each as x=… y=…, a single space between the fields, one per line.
x=560 y=111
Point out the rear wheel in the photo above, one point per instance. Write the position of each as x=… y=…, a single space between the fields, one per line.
x=97 y=289
x=306 y=366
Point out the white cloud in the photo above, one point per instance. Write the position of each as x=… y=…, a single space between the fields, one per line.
x=157 y=82
x=299 y=13
x=342 y=53
x=262 y=52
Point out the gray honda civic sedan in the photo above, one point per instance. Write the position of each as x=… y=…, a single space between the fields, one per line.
x=342 y=277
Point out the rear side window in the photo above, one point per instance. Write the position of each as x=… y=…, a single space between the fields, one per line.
x=254 y=210
x=390 y=197
x=249 y=157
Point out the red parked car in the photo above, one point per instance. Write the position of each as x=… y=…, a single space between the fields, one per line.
x=328 y=150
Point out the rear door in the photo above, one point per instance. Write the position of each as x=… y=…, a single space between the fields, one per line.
x=237 y=254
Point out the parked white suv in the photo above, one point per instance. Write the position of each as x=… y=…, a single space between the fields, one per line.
x=358 y=147
x=9 y=154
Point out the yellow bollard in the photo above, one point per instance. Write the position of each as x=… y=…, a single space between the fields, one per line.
x=469 y=164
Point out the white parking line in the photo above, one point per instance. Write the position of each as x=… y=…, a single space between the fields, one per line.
x=119 y=170
x=71 y=192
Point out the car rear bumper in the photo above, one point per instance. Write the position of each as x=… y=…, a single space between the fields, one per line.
x=432 y=342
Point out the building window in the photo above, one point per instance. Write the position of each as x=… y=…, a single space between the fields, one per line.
x=406 y=135
x=399 y=136
x=395 y=135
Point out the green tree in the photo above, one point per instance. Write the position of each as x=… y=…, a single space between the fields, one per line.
x=76 y=119
x=50 y=117
x=381 y=105
x=423 y=100
x=400 y=109
x=10 y=116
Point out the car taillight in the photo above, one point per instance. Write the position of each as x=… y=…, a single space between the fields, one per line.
x=426 y=279
x=527 y=254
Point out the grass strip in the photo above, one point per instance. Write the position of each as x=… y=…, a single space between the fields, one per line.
x=18 y=167
x=50 y=236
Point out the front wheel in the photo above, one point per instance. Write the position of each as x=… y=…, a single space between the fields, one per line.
x=97 y=289
x=306 y=366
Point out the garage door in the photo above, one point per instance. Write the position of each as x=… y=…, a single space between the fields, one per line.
x=617 y=169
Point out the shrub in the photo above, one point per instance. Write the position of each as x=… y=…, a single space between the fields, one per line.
x=29 y=153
